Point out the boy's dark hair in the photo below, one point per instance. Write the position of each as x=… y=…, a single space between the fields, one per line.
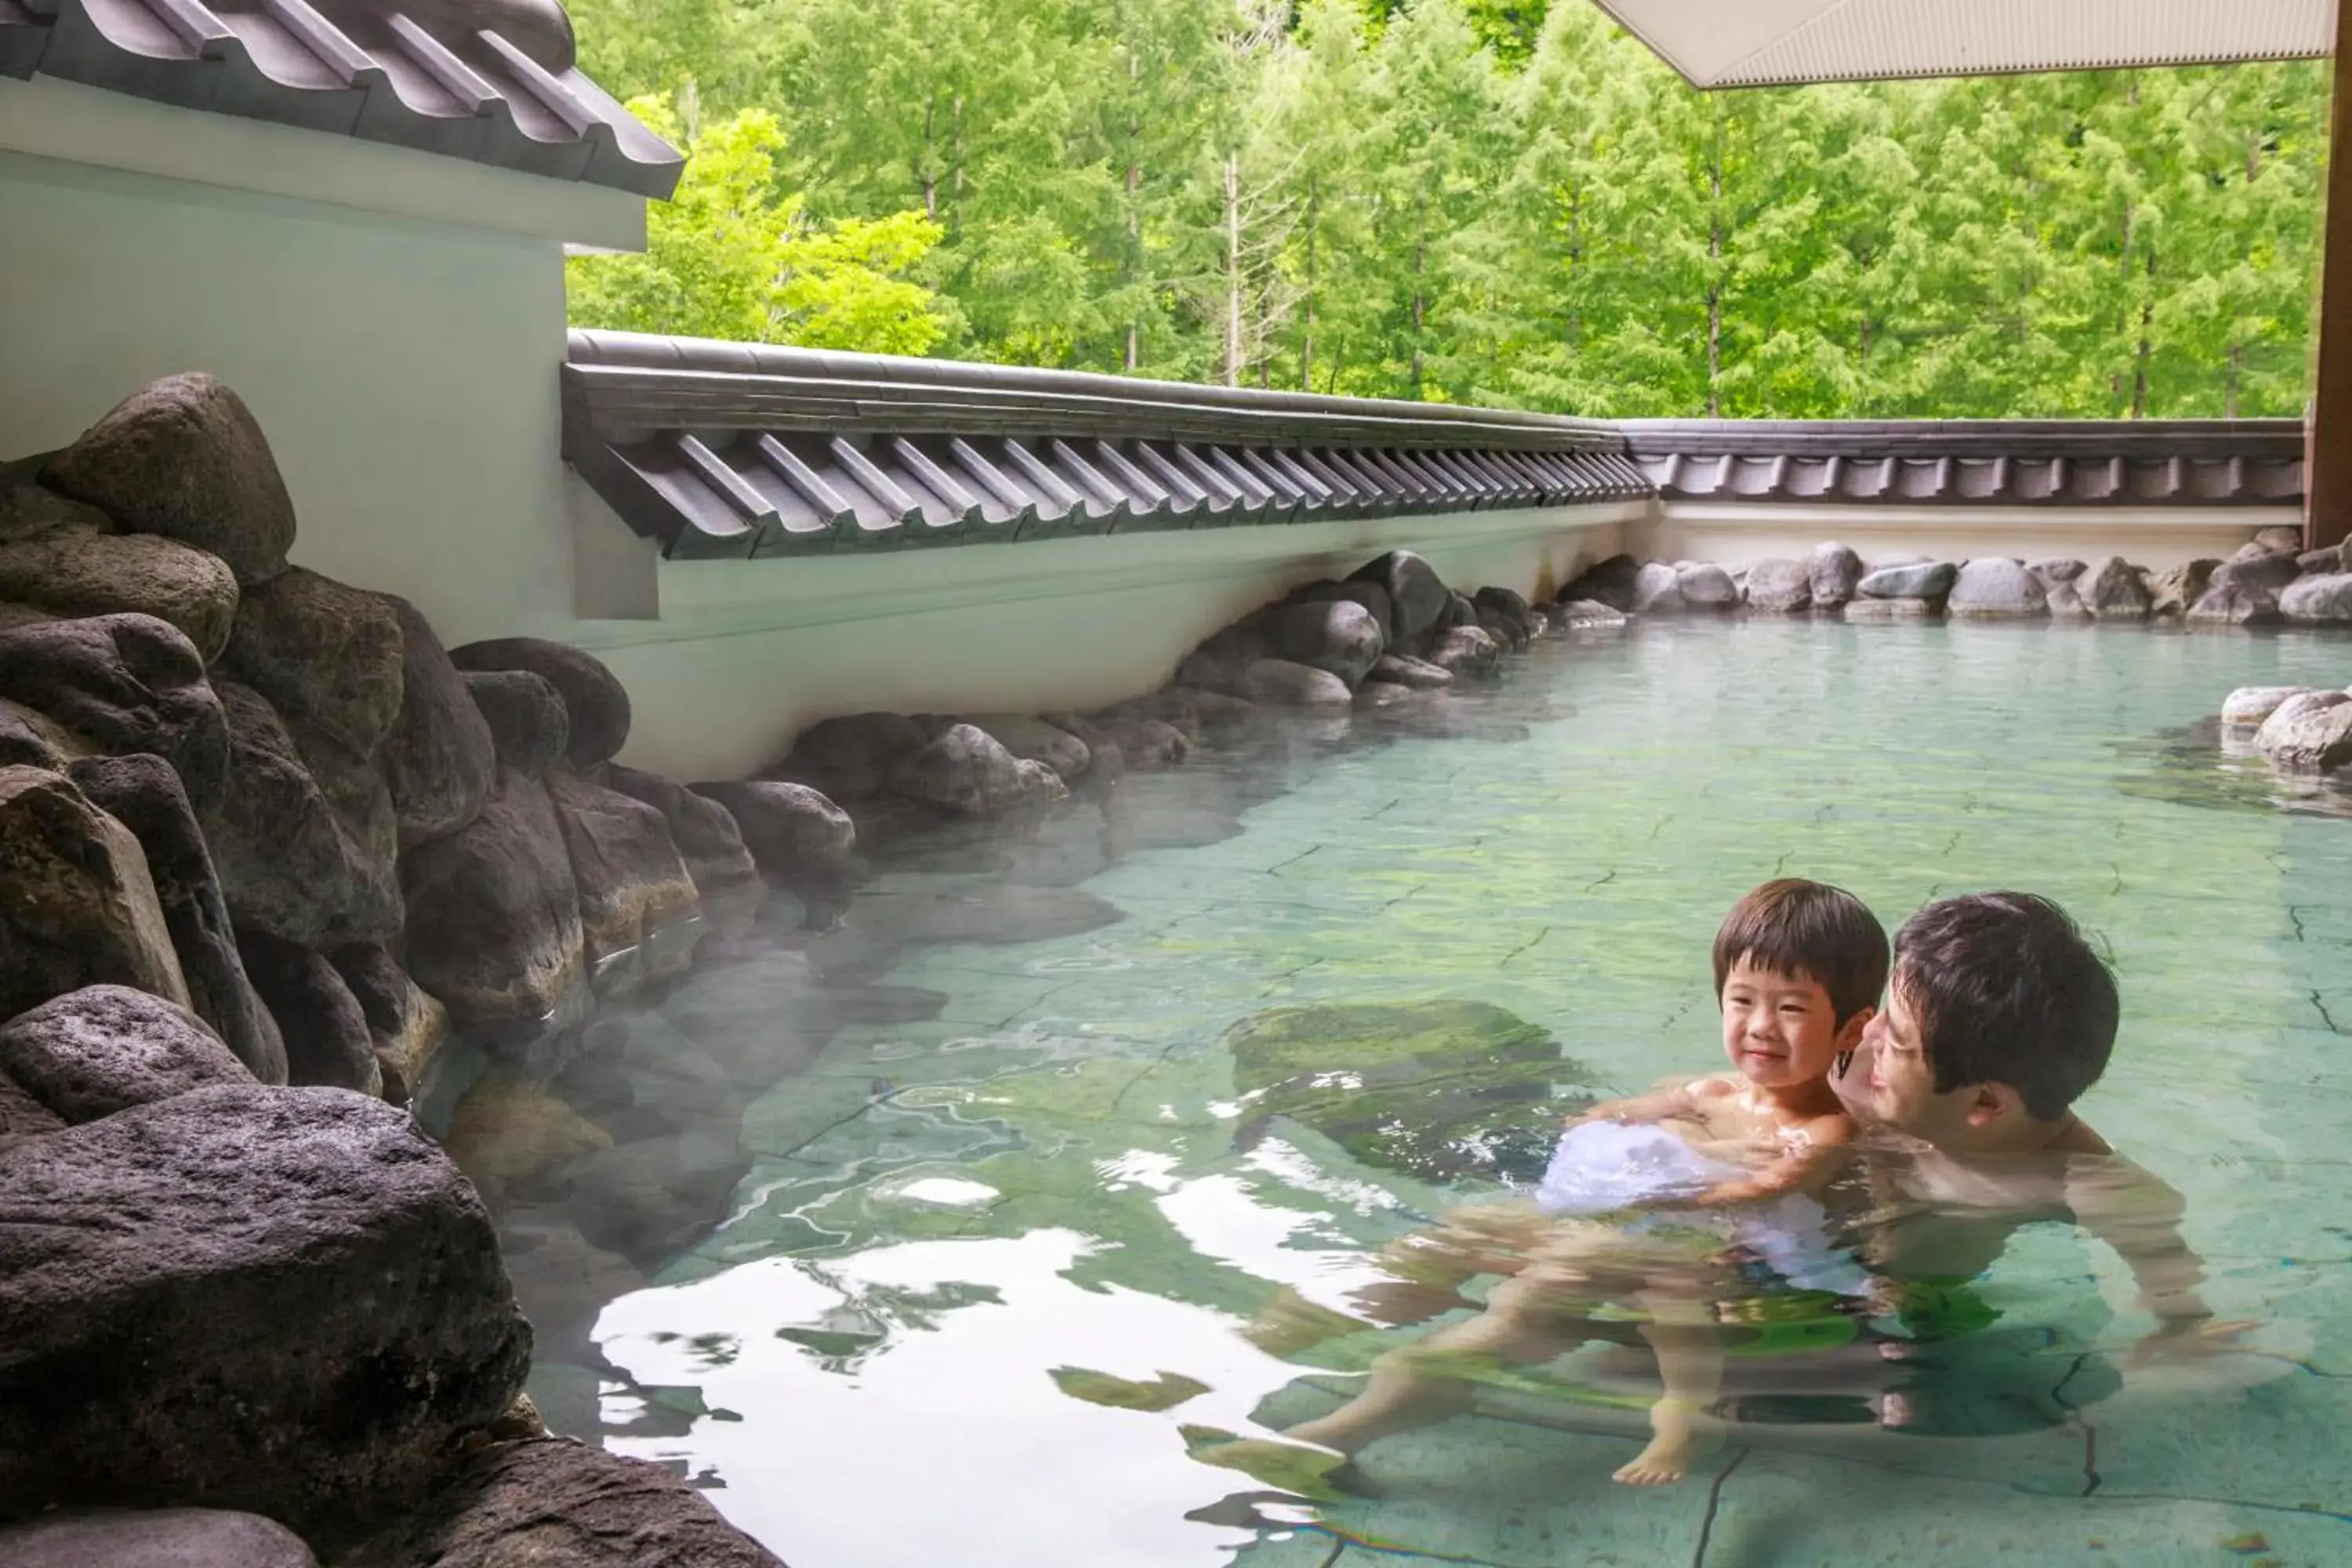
x=1796 y=927
x=2005 y=990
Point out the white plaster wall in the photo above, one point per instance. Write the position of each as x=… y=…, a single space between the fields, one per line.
x=747 y=653
x=1739 y=534
x=405 y=372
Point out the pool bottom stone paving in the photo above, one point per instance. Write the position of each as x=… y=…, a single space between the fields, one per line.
x=986 y=1266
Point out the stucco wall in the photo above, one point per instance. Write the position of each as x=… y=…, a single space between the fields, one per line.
x=1737 y=534
x=405 y=372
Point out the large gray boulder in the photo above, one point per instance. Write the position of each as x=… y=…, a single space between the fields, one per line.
x=556 y=1502
x=1609 y=583
x=2052 y=570
x=2174 y=589
x=1283 y=683
x=1508 y=609
x=528 y=726
x=850 y=757
x=2320 y=601
x=1780 y=588
x=325 y=656
x=1707 y=587
x=1912 y=580
x=1148 y=745
x=1370 y=595
x=122 y=684
x=595 y=700
x=1033 y=740
x=705 y=832
x=152 y=1538
x=1399 y=669
x=795 y=835
x=439 y=757
x=1417 y=597
x=77 y=905
x=2249 y=706
x=1589 y=616
x=632 y=883
x=73 y=572
x=1993 y=588
x=183 y=458
x=326 y=1031
x=1836 y=573
x=2234 y=603
x=2111 y=589
x=2312 y=732
x=1657 y=591
x=1338 y=635
x=105 y=1049
x=284 y=1301
x=21 y=1116
x=493 y=913
x=406 y=1028
x=2254 y=569
x=1466 y=650
x=303 y=835
x=145 y=796
x=964 y=771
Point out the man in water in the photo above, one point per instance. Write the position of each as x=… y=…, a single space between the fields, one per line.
x=1998 y=1018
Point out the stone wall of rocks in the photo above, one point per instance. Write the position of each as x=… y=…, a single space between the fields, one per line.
x=265 y=845
x=2271 y=581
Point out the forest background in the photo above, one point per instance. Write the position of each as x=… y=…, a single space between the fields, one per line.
x=1471 y=201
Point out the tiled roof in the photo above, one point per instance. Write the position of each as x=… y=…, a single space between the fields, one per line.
x=730 y=450
x=492 y=81
x=1975 y=463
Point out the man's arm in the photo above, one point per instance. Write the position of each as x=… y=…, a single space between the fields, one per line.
x=1800 y=1170
x=2139 y=1216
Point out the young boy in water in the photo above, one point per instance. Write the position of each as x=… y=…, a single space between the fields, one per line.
x=1668 y=1184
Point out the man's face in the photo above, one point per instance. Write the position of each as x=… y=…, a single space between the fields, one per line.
x=1888 y=1083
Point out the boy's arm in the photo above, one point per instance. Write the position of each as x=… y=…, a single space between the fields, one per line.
x=1666 y=1101
x=1825 y=1138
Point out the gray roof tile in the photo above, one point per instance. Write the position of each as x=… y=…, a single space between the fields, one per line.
x=493 y=82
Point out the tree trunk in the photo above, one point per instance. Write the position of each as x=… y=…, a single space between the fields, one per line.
x=1715 y=273
x=2147 y=348
x=1307 y=340
x=2237 y=363
x=1233 y=270
x=930 y=174
x=1134 y=210
x=1420 y=309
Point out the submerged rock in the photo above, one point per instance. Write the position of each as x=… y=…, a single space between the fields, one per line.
x=1400 y=669
x=1280 y=683
x=494 y=915
x=628 y=875
x=1780 y=588
x=281 y=1299
x=1994 y=588
x=144 y=795
x=2246 y=707
x=105 y=1049
x=152 y=1538
x=123 y=684
x=77 y=905
x=1590 y=615
x=1876 y=612
x=72 y=573
x=552 y=1501
x=439 y=757
x=2310 y=732
x=1442 y=1091
x=595 y=700
x=183 y=458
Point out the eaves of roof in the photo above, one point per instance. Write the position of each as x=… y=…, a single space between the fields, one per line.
x=491 y=82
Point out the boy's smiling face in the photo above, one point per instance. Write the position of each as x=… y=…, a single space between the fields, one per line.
x=1780 y=1030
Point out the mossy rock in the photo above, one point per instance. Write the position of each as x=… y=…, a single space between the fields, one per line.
x=1446 y=1090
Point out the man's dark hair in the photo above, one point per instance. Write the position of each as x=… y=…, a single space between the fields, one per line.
x=2005 y=990
x=1796 y=927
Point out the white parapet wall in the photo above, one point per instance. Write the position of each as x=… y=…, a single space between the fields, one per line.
x=1741 y=533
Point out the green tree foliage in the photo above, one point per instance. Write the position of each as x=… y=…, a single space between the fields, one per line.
x=731 y=256
x=1497 y=201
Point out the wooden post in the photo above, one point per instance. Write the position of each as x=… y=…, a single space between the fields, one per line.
x=2327 y=443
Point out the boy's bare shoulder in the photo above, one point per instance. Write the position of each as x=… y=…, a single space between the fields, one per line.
x=1714 y=1086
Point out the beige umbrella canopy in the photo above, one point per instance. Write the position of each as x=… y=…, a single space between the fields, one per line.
x=1760 y=43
